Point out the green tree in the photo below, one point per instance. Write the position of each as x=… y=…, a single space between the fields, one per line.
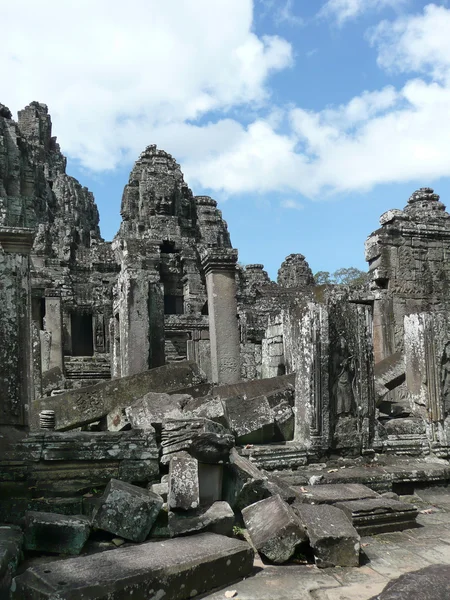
x=345 y=276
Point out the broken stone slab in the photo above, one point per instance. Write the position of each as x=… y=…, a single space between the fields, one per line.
x=252 y=420
x=247 y=389
x=429 y=583
x=80 y=407
x=161 y=489
x=218 y=518
x=184 y=491
x=284 y=422
x=274 y=528
x=333 y=538
x=150 y=411
x=330 y=493
x=378 y=515
x=204 y=439
x=11 y=542
x=177 y=569
x=277 y=456
x=127 y=511
x=245 y=484
x=213 y=409
x=59 y=534
x=389 y=373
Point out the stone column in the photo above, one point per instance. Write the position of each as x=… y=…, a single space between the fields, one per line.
x=139 y=306
x=220 y=268
x=54 y=326
x=16 y=363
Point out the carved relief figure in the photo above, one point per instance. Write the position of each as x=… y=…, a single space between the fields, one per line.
x=344 y=368
x=445 y=379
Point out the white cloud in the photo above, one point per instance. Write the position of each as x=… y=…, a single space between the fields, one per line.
x=418 y=43
x=289 y=203
x=106 y=70
x=383 y=136
x=344 y=10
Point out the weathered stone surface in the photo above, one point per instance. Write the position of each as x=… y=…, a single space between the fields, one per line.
x=204 y=439
x=127 y=511
x=60 y=534
x=430 y=583
x=80 y=407
x=244 y=484
x=184 y=491
x=330 y=493
x=378 y=515
x=149 y=411
x=177 y=569
x=11 y=542
x=335 y=492
x=274 y=528
x=218 y=518
x=161 y=489
x=335 y=541
x=251 y=419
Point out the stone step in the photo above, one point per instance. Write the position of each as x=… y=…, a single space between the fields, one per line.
x=331 y=493
x=379 y=515
x=177 y=569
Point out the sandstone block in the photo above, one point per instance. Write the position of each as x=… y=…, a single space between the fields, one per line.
x=251 y=419
x=127 y=511
x=274 y=528
x=50 y=532
x=333 y=538
x=176 y=569
x=184 y=493
x=378 y=515
x=218 y=518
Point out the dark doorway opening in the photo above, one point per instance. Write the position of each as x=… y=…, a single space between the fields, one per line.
x=82 y=337
x=167 y=247
x=173 y=305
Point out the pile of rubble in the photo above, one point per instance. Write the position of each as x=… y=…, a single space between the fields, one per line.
x=176 y=533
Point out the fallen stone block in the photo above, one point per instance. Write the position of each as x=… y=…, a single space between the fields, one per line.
x=150 y=411
x=184 y=493
x=429 y=583
x=330 y=493
x=251 y=419
x=204 y=439
x=218 y=518
x=333 y=538
x=244 y=484
x=274 y=528
x=212 y=409
x=127 y=511
x=11 y=542
x=161 y=489
x=284 y=422
x=389 y=373
x=59 y=534
x=80 y=407
x=379 y=515
x=177 y=569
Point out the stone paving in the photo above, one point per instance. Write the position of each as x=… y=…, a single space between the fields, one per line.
x=386 y=556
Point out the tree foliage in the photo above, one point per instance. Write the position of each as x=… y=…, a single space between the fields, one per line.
x=344 y=276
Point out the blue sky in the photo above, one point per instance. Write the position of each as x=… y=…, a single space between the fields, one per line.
x=304 y=119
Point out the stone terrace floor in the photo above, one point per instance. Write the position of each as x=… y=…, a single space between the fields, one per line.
x=386 y=556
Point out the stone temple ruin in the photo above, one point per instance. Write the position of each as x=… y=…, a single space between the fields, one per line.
x=155 y=391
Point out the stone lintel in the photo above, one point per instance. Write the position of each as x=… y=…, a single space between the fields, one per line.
x=52 y=293
x=17 y=240
x=219 y=259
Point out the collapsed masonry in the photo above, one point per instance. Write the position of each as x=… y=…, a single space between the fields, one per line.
x=162 y=352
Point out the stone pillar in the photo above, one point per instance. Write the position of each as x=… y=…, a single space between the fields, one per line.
x=16 y=363
x=220 y=268
x=54 y=326
x=139 y=307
